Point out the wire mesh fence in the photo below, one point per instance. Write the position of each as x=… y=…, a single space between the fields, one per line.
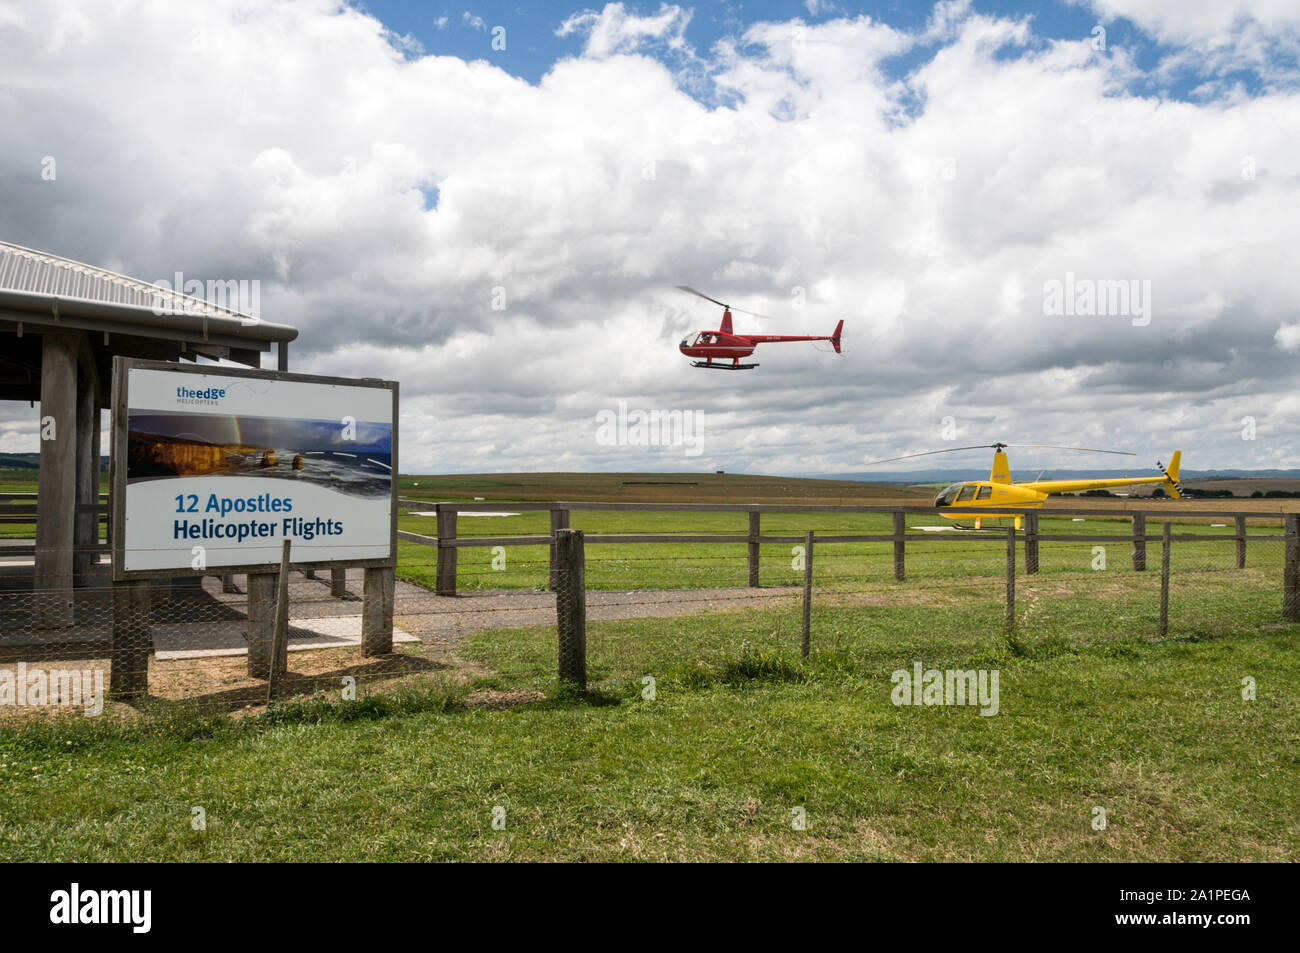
x=610 y=617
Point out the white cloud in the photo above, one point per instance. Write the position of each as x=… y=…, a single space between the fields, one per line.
x=614 y=30
x=1288 y=337
x=1218 y=36
x=295 y=144
x=473 y=20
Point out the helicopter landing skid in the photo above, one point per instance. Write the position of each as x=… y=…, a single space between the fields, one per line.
x=723 y=367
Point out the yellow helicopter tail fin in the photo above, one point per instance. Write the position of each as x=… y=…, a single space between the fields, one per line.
x=1001 y=472
x=1171 y=475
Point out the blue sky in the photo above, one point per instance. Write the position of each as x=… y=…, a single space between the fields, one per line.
x=532 y=45
x=502 y=231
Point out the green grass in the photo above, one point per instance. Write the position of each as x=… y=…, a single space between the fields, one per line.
x=690 y=565
x=742 y=732
x=1096 y=710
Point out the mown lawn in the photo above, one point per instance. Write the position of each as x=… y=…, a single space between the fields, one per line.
x=740 y=733
x=695 y=565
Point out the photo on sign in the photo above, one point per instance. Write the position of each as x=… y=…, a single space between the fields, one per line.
x=355 y=460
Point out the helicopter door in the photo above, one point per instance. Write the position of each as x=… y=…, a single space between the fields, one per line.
x=967 y=493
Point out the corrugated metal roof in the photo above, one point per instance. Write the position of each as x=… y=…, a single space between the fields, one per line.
x=26 y=270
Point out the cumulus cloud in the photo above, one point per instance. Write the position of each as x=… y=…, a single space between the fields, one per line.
x=507 y=250
x=614 y=29
x=1218 y=36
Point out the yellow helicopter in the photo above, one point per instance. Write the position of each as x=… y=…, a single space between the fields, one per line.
x=999 y=493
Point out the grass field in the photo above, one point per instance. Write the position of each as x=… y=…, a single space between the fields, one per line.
x=740 y=734
x=1096 y=710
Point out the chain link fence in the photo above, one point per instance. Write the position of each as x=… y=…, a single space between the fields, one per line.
x=572 y=618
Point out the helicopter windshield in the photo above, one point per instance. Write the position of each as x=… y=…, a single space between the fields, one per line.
x=948 y=495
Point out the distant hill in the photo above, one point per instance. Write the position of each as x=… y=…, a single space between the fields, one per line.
x=32 y=461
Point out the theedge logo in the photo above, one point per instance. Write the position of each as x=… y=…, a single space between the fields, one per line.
x=206 y=395
x=74 y=906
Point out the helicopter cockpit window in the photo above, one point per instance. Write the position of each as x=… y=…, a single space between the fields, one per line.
x=967 y=492
x=948 y=495
x=704 y=338
x=984 y=493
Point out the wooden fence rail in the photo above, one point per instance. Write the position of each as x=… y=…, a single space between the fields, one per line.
x=448 y=542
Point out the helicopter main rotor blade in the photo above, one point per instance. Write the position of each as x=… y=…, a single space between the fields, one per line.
x=1048 y=446
x=723 y=304
x=982 y=446
x=996 y=446
x=700 y=294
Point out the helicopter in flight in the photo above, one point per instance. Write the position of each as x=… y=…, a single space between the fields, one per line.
x=725 y=343
x=999 y=493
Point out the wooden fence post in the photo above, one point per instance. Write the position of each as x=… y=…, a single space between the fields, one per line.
x=1291 y=570
x=753 y=548
x=1165 y=539
x=128 y=675
x=571 y=608
x=1031 y=543
x=377 y=611
x=261 y=622
x=1010 y=623
x=806 y=642
x=445 y=582
x=900 y=546
x=1139 y=544
x=559 y=521
x=1241 y=541
x=280 y=633
x=338 y=583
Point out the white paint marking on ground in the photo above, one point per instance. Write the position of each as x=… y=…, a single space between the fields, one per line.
x=170 y=641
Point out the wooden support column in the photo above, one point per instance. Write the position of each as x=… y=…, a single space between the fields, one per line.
x=128 y=674
x=753 y=560
x=900 y=547
x=1139 y=543
x=261 y=622
x=445 y=580
x=338 y=583
x=1031 y=543
x=57 y=484
x=377 y=612
x=559 y=521
x=228 y=582
x=85 y=532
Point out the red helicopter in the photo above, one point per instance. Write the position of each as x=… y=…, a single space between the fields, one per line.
x=725 y=343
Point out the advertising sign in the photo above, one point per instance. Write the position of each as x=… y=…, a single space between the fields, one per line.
x=214 y=467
